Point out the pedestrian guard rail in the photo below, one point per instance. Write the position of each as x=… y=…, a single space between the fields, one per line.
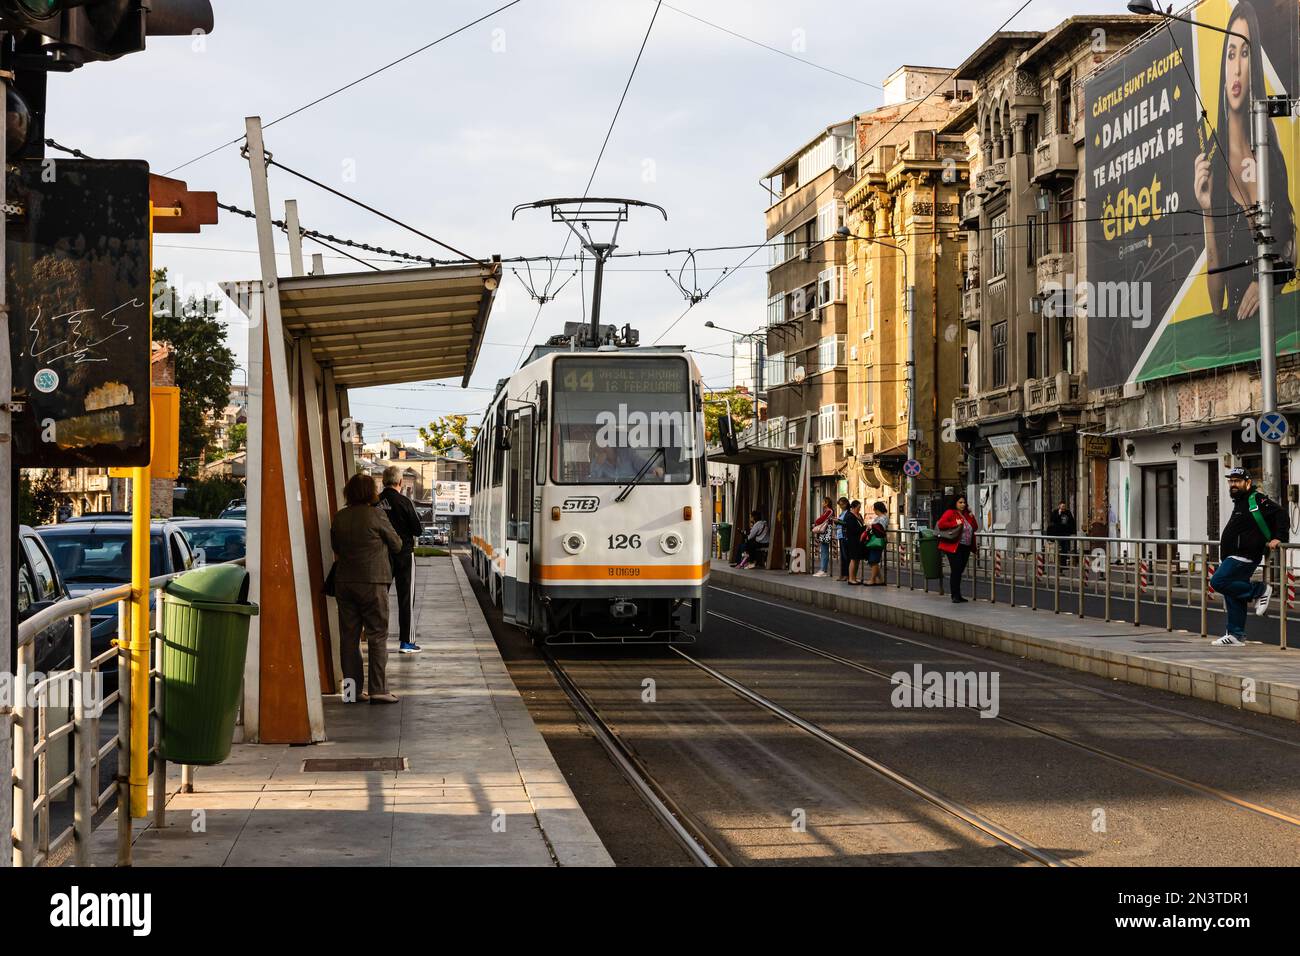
x=64 y=710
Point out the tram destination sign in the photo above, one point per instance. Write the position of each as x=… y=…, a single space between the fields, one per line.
x=622 y=376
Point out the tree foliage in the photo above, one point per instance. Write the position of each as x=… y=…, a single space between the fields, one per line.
x=448 y=432
x=237 y=437
x=204 y=364
x=208 y=498
x=715 y=406
x=38 y=497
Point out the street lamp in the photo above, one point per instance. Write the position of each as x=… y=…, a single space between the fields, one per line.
x=1263 y=108
x=844 y=233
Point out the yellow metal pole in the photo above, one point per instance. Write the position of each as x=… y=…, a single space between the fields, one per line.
x=141 y=505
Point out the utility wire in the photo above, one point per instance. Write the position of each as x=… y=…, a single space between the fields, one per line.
x=592 y=178
x=788 y=56
x=348 y=86
x=893 y=126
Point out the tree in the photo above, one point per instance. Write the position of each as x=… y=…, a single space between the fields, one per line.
x=204 y=364
x=715 y=406
x=448 y=432
x=238 y=437
x=38 y=497
x=208 y=498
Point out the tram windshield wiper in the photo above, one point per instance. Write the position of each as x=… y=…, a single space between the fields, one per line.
x=627 y=489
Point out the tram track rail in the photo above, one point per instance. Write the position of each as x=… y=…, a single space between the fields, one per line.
x=692 y=837
x=1115 y=758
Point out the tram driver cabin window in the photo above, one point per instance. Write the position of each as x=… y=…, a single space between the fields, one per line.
x=614 y=419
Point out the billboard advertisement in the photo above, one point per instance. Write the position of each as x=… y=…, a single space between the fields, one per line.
x=451 y=497
x=1171 y=181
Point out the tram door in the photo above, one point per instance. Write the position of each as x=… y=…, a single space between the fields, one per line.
x=516 y=598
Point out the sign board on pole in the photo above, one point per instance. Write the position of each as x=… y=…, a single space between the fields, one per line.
x=451 y=497
x=79 y=290
x=1272 y=427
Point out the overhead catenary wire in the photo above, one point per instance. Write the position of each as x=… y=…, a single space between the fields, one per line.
x=347 y=86
x=609 y=131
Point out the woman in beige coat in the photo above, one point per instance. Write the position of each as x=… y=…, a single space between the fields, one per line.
x=363 y=540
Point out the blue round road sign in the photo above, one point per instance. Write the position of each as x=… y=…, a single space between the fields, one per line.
x=1272 y=427
x=912 y=468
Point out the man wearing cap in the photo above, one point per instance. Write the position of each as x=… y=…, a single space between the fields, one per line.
x=1256 y=524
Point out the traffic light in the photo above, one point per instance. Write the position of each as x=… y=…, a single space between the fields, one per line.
x=65 y=34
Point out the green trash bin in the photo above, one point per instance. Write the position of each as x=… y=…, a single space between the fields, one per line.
x=928 y=545
x=724 y=538
x=206 y=614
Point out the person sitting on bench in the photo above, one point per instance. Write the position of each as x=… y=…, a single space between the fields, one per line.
x=754 y=550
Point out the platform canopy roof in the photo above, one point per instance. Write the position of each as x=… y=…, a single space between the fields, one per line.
x=385 y=328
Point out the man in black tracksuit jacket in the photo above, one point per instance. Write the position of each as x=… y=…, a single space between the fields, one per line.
x=1257 y=524
x=402 y=516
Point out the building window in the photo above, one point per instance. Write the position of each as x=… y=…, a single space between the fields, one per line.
x=828 y=424
x=830 y=285
x=1064 y=109
x=999 y=354
x=998 y=246
x=830 y=352
x=871 y=309
x=1065 y=219
x=868 y=396
x=775 y=369
x=776 y=309
x=1068 y=347
x=1031 y=241
x=829 y=218
x=792 y=435
x=965 y=368
x=778 y=250
x=1031 y=351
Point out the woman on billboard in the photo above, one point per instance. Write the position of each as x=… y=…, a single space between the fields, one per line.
x=1224 y=190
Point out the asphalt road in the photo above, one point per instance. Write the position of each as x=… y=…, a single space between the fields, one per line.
x=1093 y=771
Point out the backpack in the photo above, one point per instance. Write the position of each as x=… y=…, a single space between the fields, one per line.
x=1259 y=518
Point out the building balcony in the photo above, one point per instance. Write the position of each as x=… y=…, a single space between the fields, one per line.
x=992 y=179
x=971 y=205
x=1055 y=156
x=965 y=410
x=1053 y=393
x=1055 y=271
x=970 y=307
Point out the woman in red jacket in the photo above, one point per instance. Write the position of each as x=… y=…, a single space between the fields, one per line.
x=958 y=543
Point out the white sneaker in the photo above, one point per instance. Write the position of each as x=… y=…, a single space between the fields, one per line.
x=1261 y=602
x=819 y=574
x=1227 y=640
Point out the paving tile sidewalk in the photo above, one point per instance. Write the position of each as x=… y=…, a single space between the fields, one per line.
x=1257 y=677
x=481 y=789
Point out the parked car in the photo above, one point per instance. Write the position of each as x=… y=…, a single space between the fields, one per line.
x=39 y=586
x=234 y=513
x=215 y=540
x=92 y=556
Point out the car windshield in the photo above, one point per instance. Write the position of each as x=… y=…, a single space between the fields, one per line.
x=101 y=556
x=612 y=416
x=218 y=544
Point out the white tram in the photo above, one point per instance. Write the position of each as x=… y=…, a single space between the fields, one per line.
x=589 y=519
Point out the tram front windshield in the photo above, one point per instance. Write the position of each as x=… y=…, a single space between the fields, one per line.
x=612 y=416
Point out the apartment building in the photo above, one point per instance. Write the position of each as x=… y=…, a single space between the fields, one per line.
x=905 y=258
x=1031 y=436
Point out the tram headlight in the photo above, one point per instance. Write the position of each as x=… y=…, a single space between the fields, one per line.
x=573 y=542
x=671 y=542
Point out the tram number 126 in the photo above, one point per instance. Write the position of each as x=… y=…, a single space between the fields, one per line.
x=622 y=542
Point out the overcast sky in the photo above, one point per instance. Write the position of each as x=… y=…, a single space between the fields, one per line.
x=510 y=111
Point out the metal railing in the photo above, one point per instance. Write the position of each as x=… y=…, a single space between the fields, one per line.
x=1153 y=581
x=34 y=739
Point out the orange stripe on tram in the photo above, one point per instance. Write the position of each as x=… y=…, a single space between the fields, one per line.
x=619 y=572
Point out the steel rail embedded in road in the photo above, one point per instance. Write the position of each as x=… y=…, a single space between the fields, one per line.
x=1052 y=678
x=692 y=838
x=963 y=813
x=1132 y=764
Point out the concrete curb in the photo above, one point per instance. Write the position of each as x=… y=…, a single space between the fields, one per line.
x=1233 y=686
x=572 y=838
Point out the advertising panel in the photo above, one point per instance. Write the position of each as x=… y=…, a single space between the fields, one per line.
x=1171 y=182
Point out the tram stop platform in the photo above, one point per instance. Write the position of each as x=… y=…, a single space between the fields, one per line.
x=479 y=787
x=1257 y=677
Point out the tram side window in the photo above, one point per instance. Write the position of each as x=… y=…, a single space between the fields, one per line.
x=498 y=453
x=541 y=433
